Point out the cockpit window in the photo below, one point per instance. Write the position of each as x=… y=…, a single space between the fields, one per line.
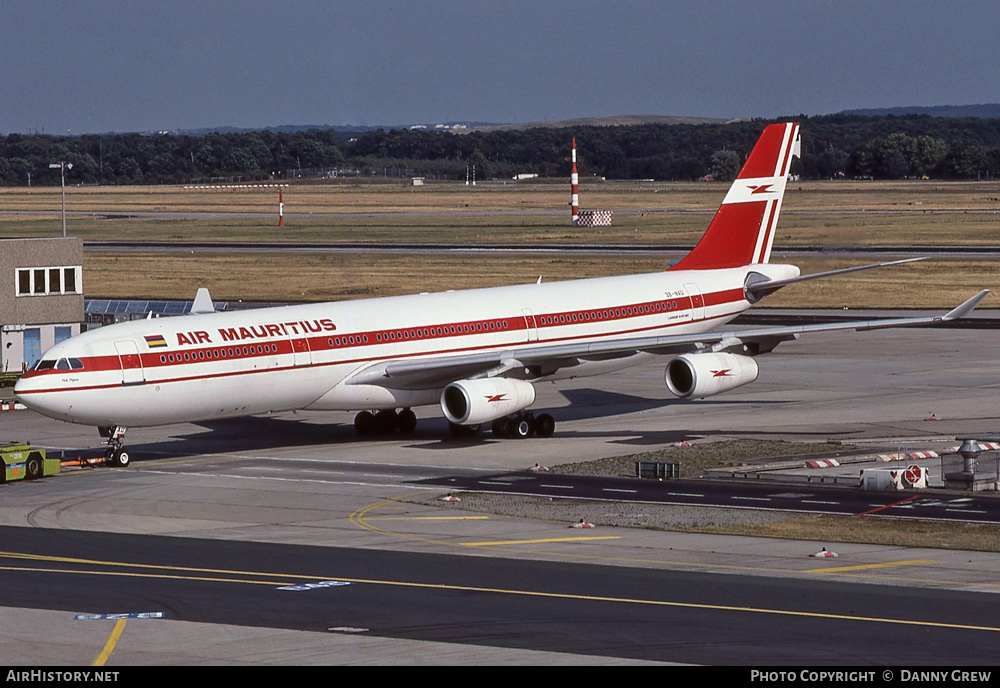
x=45 y=365
x=75 y=364
x=62 y=364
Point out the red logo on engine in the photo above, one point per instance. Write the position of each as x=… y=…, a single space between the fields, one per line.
x=495 y=398
x=720 y=373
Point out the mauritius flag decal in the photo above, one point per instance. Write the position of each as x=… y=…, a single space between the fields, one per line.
x=155 y=341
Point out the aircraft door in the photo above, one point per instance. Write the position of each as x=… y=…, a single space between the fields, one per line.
x=128 y=355
x=301 y=355
x=697 y=301
x=530 y=324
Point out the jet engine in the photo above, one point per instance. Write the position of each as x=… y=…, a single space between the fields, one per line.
x=702 y=375
x=470 y=402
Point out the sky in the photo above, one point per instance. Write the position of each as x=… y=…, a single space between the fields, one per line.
x=98 y=66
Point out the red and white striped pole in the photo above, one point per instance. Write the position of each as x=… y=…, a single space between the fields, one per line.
x=574 y=190
x=281 y=208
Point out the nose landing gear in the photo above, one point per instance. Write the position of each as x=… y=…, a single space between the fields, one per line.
x=115 y=454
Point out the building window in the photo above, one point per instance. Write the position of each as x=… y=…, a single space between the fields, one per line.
x=43 y=281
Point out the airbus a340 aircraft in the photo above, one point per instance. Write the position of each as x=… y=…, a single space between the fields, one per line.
x=476 y=353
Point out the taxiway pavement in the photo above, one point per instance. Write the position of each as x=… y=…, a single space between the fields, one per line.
x=306 y=479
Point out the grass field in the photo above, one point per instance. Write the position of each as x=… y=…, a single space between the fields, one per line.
x=319 y=277
x=825 y=214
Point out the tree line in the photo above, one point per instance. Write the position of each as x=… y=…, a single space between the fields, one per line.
x=852 y=146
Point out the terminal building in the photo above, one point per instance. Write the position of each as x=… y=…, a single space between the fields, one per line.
x=41 y=297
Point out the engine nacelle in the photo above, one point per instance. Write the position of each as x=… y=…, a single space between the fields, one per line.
x=470 y=402
x=702 y=375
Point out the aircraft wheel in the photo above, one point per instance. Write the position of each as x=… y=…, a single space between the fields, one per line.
x=497 y=428
x=385 y=421
x=364 y=423
x=522 y=427
x=406 y=421
x=121 y=458
x=462 y=430
x=545 y=425
x=507 y=427
x=33 y=466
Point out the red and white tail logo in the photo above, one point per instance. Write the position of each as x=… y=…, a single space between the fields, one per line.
x=742 y=230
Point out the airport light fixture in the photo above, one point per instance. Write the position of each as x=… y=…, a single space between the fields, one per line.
x=62 y=167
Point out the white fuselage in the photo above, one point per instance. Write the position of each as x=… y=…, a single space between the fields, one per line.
x=226 y=364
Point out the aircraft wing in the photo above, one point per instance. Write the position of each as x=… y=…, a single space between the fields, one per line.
x=537 y=362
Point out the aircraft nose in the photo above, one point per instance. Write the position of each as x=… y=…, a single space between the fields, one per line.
x=22 y=392
x=29 y=392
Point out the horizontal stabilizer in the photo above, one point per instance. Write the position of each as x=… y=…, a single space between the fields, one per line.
x=758 y=286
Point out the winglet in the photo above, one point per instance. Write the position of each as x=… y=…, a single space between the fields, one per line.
x=202 y=302
x=965 y=308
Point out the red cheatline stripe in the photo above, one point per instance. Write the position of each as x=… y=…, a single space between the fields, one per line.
x=234 y=349
x=712 y=299
x=353 y=361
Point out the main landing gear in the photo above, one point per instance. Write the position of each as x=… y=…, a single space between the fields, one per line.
x=385 y=422
x=115 y=454
x=517 y=425
x=525 y=424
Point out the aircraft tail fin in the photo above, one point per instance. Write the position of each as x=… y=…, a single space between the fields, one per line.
x=742 y=230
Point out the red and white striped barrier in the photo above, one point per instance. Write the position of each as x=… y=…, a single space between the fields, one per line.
x=822 y=463
x=11 y=406
x=983 y=446
x=908 y=456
